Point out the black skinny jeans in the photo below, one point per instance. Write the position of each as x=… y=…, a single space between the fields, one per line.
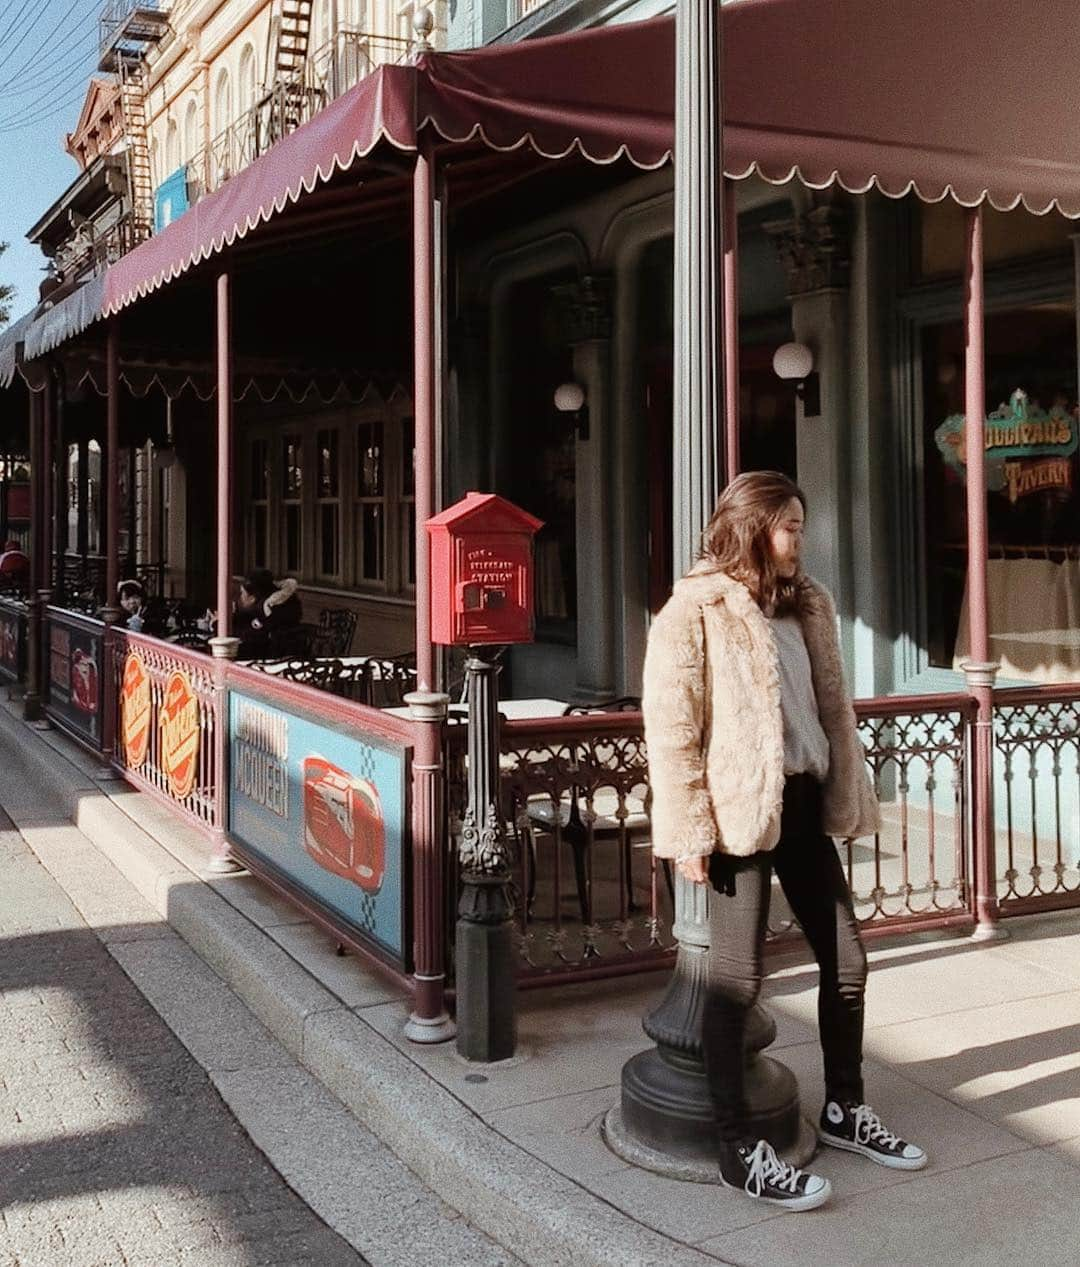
x=810 y=874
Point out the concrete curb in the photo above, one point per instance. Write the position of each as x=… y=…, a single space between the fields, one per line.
x=516 y=1199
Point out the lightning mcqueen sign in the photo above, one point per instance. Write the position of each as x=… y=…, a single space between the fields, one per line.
x=326 y=808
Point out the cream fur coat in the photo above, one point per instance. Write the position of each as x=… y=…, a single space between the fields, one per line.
x=713 y=725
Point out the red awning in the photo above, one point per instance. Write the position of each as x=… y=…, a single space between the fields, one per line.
x=962 y=99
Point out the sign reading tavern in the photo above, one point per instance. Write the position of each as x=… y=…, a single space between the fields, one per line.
x=1027 y=449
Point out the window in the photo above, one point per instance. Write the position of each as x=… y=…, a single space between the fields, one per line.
x=1033 y=505
x=292 y=488
x=259 y=495
x=247 y=81
x=172 y=148
x=407 y=507
x=328 y=513
x=370 y=502
x=355 y=501
x=192 y=143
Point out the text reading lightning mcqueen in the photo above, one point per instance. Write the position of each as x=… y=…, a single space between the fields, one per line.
x=343 y=824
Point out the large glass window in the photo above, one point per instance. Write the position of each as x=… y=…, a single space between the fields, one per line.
x=370 y=502
x=292 y=491
x=328 y=514
x=1030 y=455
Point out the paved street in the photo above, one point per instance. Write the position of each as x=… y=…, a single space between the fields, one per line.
x=115 y=1148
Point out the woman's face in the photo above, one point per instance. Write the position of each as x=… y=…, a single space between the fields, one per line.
x=130 y=603
x=786 y=538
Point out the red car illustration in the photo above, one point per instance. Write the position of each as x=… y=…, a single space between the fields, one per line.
x=343 y=824
x=84 y=681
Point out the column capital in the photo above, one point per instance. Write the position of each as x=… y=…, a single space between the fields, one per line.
x=814 y=248
x=585 y=308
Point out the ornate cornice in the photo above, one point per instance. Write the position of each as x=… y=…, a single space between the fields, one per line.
x=814 y=249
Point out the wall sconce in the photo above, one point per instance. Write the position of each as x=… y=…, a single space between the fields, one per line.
x=570 y=399
x=794 y=362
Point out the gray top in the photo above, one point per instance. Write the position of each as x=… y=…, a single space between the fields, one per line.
x=806 y=746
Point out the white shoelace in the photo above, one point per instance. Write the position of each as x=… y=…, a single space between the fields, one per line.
x=766 y=1168
x=869 y=1129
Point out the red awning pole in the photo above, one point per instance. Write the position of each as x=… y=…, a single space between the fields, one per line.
x=429 y=1022
x=731 y=333
x=36 y=659
x=111 y=608
x=224 y=458
x=978 y=669
x=48 y=483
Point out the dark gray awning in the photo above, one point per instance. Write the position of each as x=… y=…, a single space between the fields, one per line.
x=10 y=340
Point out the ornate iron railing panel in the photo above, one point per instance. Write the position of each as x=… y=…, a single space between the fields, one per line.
x=917 y=868
x=167 y=716
x=1037 y=754
x=588 y=894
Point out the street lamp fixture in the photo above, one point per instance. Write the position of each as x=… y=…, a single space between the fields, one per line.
x=794 y=362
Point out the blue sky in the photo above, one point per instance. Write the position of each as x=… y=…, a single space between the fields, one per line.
x=48 y=51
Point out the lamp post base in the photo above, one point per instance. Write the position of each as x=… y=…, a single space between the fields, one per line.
x=484 y=962
x=700 y=1169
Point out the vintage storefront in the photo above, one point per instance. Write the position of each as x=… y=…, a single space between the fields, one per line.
x=392 y=299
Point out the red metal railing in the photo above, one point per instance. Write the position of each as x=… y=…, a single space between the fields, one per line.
x=591 y=900
x=155 y=770
x=1037 y=766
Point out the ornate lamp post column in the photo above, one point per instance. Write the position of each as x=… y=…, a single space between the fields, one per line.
x=665 y=1118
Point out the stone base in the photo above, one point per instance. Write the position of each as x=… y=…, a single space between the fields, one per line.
x=666 y=1106
x=693 y=1170
x=990 y=932
x=422 y=1029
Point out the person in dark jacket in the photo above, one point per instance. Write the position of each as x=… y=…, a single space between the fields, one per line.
x=265 y=610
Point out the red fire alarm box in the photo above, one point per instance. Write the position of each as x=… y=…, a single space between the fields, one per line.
x=482 y=572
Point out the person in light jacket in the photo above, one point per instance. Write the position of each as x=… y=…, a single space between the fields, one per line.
x=755 y=763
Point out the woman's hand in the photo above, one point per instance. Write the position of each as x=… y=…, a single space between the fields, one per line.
x=694 y=869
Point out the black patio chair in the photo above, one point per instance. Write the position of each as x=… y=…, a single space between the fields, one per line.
x=334 y=632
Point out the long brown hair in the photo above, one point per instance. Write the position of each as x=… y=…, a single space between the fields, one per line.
x=736 y=538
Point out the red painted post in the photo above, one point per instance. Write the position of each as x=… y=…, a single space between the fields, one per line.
x=48 y=490
x=429 y=1022
x=223 y=645
x=225 y=477
x=978 y=669
x=424 y=399
x=110 y=608
x=35 y=659
x=731 y=333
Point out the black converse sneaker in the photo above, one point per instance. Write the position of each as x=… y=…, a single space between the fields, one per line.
x=757 y=1171
x=857 y=1128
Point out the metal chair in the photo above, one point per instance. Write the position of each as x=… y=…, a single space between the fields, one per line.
x=334 y=632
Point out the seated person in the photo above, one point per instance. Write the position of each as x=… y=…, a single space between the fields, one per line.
x=14 y=566
x=138 y=616
x=265 y=610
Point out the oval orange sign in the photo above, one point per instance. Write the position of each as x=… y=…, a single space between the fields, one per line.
x=179 y=724
x=135 y=711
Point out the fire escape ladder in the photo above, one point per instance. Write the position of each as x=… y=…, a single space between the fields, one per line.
x=290 y=62
x=132 y=72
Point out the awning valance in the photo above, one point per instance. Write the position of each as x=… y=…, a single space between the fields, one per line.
x=940 y=99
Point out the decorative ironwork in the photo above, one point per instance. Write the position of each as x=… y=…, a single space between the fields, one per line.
x=918 y=865
x=1037 y=743
x=161 y=661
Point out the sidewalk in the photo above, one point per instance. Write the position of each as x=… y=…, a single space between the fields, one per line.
x=974 y=1051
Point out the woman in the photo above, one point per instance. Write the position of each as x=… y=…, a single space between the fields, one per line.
x=755 y=763
x=264 y=610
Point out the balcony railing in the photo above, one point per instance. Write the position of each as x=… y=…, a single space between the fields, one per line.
x=331 y=71
x=128 y=26
x=90 y=250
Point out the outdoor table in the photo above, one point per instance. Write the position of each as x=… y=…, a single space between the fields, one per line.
x=509 y=709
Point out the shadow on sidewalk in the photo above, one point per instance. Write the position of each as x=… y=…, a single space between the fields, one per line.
x=100 y=1097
